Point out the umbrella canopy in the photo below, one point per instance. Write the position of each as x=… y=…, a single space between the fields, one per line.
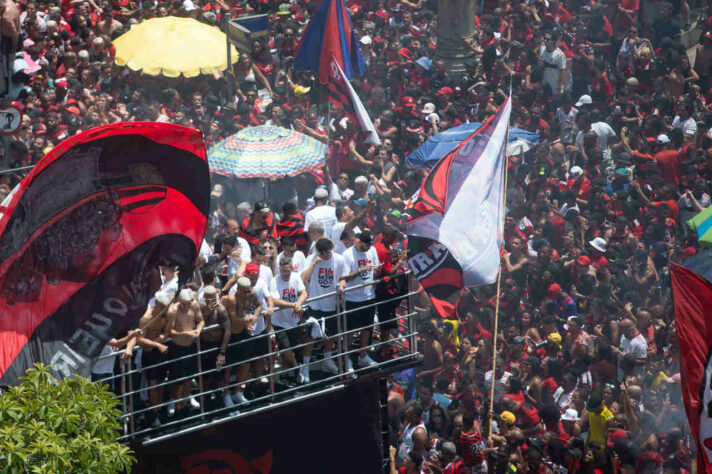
x=266 y=152
x=172 y=46
x=443 y=143
x=702 y=225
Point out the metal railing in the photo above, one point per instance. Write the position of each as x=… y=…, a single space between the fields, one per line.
x=129 y=376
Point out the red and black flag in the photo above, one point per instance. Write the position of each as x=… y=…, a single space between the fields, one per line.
x=455 y=226
x=343 y=96
x=692 y=298
x=82 y=236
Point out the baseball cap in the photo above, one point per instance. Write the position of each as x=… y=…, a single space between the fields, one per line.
x=575 y=171
x=570 y=415
x=616 y=436
x=428 y=108
x=599 y=243
x=424 y=62
x=662 y=138
x=554 y=337
x=554 y=290
x=584 y=100
x=262 y=206
x=508 y=417
x=321 y=193
x=366 y=40
x=446 y=91
x=301 y=90
x=244 y=282
x=407 y=101
x=252 y=268
x=632 y=82
x=594 y=402
x=366 y=237
x=583 y=260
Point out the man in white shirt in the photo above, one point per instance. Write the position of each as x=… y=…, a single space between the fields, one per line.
x=288 y=296
x=314 y=233
x=554 y=62
x=323 y=275
x=604 y=132
x=289 y=249
x=348 y=221
x=684 y=121
x=340 y=190
x=362 y=262
x=321 y=212
x=632 y=342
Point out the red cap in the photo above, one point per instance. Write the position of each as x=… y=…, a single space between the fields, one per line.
x=615 y=436
x=407 y=101
x=73 y=110
x=583 y=260
x=405 y=52
x=251 y=269
x=554 y=290
x=382 y=14
x=690 y=251
x=446 y=91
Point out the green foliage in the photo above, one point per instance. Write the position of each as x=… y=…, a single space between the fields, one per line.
x=51 y=426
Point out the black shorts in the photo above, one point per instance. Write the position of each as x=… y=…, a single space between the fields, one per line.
x=359 y=316
x=153 y=357
x=209 y=360
x=237 y=352
x=259 y=345
x=330 y=323
x=288 y=338
x=387 y=313
x=184 y=367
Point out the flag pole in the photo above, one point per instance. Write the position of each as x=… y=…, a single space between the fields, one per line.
x=490 y=412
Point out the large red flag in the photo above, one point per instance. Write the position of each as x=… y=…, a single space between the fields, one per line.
x=692 y=297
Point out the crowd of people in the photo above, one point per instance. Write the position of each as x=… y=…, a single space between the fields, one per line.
x=586 y=374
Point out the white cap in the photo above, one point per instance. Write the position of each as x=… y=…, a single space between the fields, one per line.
x=163 y=298
x=361 y=180
x=599 y=243
x=365 y=40
x=188 y=5
x=570 y=415
x=584 y=100
x=185 y=295
x=321 y=193
x=244 y=282
x=428 y=108
x=83 y=53
x=575 y=171
x=662 y=138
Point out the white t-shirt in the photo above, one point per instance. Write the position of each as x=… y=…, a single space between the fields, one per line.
x=689 y=126
x=324 y=279
x=637 y=346
x=605 y=134
x=335 y=193
x=324 y=214
x=354 y=261
x=554 y=62
x=299 y=261
x=336 y=232
x=205 y=251
x=262 y=291
x=286 y=291
x=245 y=254
x=266 y=274
x=566 y=120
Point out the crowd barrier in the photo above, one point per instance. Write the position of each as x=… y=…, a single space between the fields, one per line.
x=129 y=383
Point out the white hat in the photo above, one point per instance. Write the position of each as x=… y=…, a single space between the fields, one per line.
x=188 y=5
x=244 y=282
x=361 y=180
x=217 y=191
x=321 y=193
x=584 y=100
x=575 y=171
x=428 y=108
x=570 y=415
x=185 y=295
x=83 y=53
x=599 y=244
x=662 y=138
x=365 y=40
x=163 y=298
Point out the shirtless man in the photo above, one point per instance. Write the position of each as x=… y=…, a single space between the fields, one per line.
x=150 y=336
x=10 y=28
x=244 y=309
x=217 y=339
x=184 y=324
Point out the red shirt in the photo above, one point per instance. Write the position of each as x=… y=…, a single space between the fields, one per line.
x=670 y=162
x=471 y=446
x=252 y=234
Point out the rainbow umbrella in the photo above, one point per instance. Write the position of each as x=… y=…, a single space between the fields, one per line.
x=702 y=224
x=266 y=152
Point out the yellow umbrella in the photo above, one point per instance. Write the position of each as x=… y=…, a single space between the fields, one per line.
x=172 y=46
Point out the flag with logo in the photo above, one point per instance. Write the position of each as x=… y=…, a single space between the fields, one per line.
x=692 y=299
x=343 y=96
x=455 y=228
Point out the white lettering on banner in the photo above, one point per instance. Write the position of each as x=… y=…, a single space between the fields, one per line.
x=86 y=341
x=65 y=361
x=425 y=262
x=116 y=306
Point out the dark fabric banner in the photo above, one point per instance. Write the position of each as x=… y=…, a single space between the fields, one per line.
x=82 y=235
x=338 y=432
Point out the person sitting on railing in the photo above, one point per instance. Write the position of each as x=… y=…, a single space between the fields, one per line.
x=217 y=339
x=244 y=309
x=185 y=322
x=323 y=276
x=362 y=262
x=151 y=335
x=289 y=294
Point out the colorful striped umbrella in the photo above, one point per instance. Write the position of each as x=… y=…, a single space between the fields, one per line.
x=266 y=152
x=702 y=224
